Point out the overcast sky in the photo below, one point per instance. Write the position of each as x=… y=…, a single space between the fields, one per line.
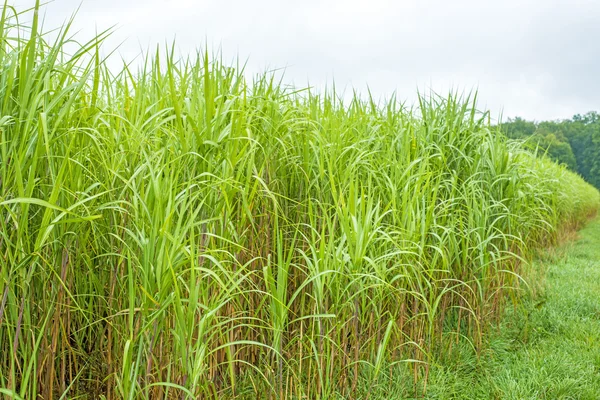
x=538 y=59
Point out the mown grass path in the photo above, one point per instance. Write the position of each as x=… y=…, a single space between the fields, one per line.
x=546 y=348
x=550 y=349
x=557 y=353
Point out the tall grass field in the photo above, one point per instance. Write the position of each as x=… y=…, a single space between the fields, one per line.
x=181 y=231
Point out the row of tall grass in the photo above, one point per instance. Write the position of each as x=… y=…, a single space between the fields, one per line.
x=182 y=231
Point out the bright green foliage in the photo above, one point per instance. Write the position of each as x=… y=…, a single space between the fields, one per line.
x=546 y=348
x=180 y=232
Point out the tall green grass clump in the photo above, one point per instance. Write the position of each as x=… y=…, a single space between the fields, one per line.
x=180 y=231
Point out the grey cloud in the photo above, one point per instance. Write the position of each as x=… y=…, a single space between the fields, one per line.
x=534 y=58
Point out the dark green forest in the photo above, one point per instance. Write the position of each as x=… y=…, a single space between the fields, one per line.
x=574 y=142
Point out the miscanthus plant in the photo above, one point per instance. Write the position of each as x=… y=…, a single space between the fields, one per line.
x=181 y=231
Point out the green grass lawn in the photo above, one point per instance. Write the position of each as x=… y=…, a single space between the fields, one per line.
x=547 y=348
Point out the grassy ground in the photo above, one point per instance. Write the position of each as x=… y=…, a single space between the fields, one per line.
x=548 y=348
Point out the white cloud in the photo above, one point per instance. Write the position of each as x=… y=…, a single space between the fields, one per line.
x=534 y=58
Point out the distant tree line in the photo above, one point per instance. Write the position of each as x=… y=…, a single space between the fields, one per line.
x=574 y=142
